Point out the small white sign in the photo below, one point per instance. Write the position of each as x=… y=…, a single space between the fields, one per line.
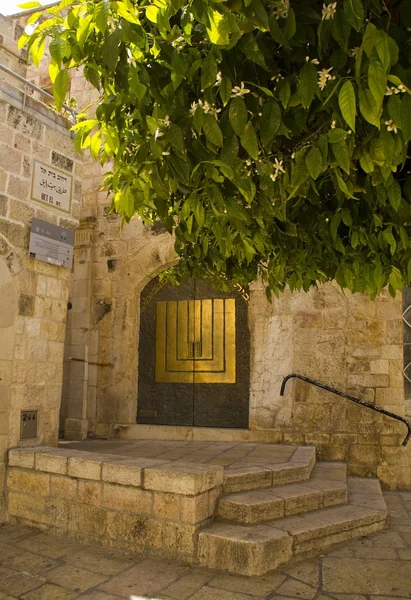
x=51 y=186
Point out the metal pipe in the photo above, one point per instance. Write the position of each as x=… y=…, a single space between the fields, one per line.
x=348 y=397
x=36 y=88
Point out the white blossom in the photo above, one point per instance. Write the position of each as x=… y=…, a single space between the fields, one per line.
x=329 y=11
x=193 y=108
x=218 y=79
x=239 y=90
x=278 y=168
x=354 y=51
x=323 y=77
x=165 y=153
x=179 y=43
x=282 y=9
x=158 y=133
x=391 y=126
x=166 y=121
x=333 y=124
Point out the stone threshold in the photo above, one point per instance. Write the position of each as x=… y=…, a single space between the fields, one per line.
x=180 y=433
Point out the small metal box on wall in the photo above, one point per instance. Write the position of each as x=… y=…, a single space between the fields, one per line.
x=28 y=424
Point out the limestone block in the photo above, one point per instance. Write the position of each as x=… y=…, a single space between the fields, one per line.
x=51 y=463
x=29 y=482
x=18 y=188
x=21 y=457
x=129 y=499
x=126 y=471
x=247 y=478
x=179 y=539
x=183 y=478
x=33 y=508
x=89 y=492
x=250 y=507
x=64 y=488
x=243 y=550
x=195 y=509
x=88 y=519
x=7 y=342
x=86 y=467
x=167 y=506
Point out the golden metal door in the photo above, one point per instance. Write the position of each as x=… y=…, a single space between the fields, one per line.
x=195 y=341
x=194 y=354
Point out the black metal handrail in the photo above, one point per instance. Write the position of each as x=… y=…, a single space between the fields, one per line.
x=348 y=397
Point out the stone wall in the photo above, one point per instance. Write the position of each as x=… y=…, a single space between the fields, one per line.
x=133 y=504
x=33 y=295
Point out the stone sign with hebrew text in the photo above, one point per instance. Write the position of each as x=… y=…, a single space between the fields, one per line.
x=51 y=186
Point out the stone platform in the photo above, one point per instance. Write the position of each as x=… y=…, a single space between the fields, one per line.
x=240 y=507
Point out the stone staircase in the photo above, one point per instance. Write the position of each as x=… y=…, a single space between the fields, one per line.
x=269 y=514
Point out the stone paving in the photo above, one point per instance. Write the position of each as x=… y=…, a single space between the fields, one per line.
x=225 y=454
x=38 y=566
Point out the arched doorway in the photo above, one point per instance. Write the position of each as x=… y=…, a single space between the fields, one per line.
x=194 y=356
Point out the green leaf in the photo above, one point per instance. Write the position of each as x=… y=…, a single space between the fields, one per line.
x=285 y=93
x=394 y=109
x=212 y=130
x=290 y=26
x=342 y=156
x=389 y=238
x=152 y=13
x=225 y=90
x=249 y=251
x=38 y=49
x=307 y=85
x=276 y=32
x=336 y=135
x=406 y=117
x=198 y=119
x=383 y=48
x=175 y=137
x=314 y=163
x=342 y=185
x=95 y=144
x=28 y=5
x=60 y=88
x=249 y=141
x=218 y=30
x=111 y=49
x=377 y=80
x=346 y=101
x=368 y=41
x=369 y=107
x=270 y=121
x=57 y=49
x=395 y=279
x=366 y=162
x=341 y=28
x=238 y=114
x=354 y=13
x=208 y=71
x=394 y=195
x=199 y=213
x=101 y=15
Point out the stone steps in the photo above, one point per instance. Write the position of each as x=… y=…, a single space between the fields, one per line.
x=297 y=468
x=255 y=549
x=257 y=506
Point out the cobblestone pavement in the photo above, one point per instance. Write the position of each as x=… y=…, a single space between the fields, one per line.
x=39 y=566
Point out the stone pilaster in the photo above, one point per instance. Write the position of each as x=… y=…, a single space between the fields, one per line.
x=78 y=335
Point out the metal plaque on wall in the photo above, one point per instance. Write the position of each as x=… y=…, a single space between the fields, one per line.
x=51 y=244
x=51 y=186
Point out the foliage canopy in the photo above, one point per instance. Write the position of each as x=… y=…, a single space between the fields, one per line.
x=270 y=135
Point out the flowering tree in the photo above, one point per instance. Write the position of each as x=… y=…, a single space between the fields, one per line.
x=270 y=135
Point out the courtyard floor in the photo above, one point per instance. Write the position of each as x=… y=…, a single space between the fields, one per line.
x=39 y=566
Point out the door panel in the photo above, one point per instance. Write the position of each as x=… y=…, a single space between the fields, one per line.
x=193 y=356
